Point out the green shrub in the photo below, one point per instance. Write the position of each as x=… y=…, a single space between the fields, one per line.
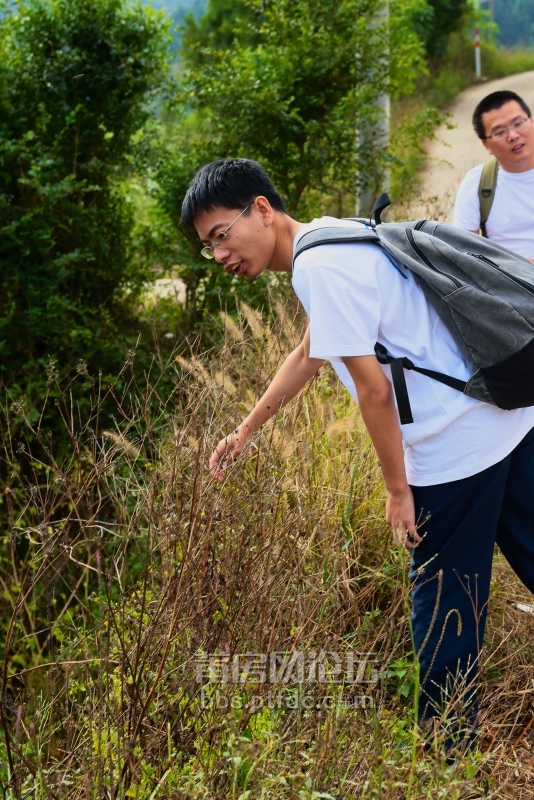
x=75 y=80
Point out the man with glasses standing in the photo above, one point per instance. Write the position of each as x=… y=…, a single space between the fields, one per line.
x=497 y=199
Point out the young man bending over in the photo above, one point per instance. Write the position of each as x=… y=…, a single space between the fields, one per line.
x=467 y=464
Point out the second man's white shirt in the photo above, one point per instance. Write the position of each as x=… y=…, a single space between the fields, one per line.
x=511 y=219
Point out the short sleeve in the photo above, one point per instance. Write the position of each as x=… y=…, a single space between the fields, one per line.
x=466 y=206
x=342 y=303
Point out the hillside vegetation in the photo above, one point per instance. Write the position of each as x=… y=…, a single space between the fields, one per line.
x=515 y=19
x=147 y=680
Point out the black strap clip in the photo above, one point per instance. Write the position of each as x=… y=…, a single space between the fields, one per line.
x=398 y=365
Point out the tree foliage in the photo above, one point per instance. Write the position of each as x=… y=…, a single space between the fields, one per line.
x=75 y=79
x=179 y=11
x=289 y=88
x=285 y=83
x=220 y=28
x=515 y=19
x=438 y=21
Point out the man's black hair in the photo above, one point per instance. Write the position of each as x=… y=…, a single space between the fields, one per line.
x=230 y=183
x=490 y=103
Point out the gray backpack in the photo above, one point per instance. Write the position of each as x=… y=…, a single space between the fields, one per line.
x=483 y=293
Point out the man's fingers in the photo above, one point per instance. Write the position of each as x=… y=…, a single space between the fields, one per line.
x=223 y=457
x=405 y=537
x=220 y=461
x=219 y=457
x=218 y=471
x=410 y=540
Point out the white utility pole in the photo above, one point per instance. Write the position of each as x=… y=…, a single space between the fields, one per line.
x=478 y=68
x=376 y=181
x=477 y=3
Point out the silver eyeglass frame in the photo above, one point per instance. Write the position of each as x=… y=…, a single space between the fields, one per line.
x=209 y=250
x=502 y=132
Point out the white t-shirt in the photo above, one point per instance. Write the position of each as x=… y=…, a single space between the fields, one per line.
x=511 y=219
x=355 y=296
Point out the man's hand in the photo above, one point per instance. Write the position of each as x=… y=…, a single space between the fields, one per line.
x=227 y=451
x=400 y=516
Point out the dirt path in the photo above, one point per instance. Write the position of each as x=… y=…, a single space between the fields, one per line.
x=456 y=151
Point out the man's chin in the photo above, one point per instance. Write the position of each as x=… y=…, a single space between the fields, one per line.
x=251 y=273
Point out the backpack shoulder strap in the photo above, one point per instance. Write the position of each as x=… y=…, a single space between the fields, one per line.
x=342 y=236
x=486 y=191
x=336 y=235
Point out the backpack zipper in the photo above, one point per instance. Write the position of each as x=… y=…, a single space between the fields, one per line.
x=427 y=261
x=490 y=263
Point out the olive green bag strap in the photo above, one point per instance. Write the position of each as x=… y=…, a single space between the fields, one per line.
x=486 y=191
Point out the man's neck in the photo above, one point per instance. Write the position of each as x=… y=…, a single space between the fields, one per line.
x=517 y=168
x=286 y=230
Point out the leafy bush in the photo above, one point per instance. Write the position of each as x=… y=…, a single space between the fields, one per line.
x=75 y=80
x=284 y=83
x=289 y=90
x=438 y=21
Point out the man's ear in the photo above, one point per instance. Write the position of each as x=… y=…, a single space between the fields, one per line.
x=487 y=145
x=262 y=205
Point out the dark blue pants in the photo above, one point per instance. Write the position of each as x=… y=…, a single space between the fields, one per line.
x=451 y=571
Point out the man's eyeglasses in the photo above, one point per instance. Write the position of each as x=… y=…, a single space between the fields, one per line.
x=502 y=132
x=209 y=250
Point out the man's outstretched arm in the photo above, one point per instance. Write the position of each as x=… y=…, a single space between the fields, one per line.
x=379 y=413
x=293 y=375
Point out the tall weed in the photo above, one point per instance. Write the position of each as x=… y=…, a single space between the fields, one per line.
x=147 y=602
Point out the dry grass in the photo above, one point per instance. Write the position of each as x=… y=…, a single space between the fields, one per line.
x=143 y=566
